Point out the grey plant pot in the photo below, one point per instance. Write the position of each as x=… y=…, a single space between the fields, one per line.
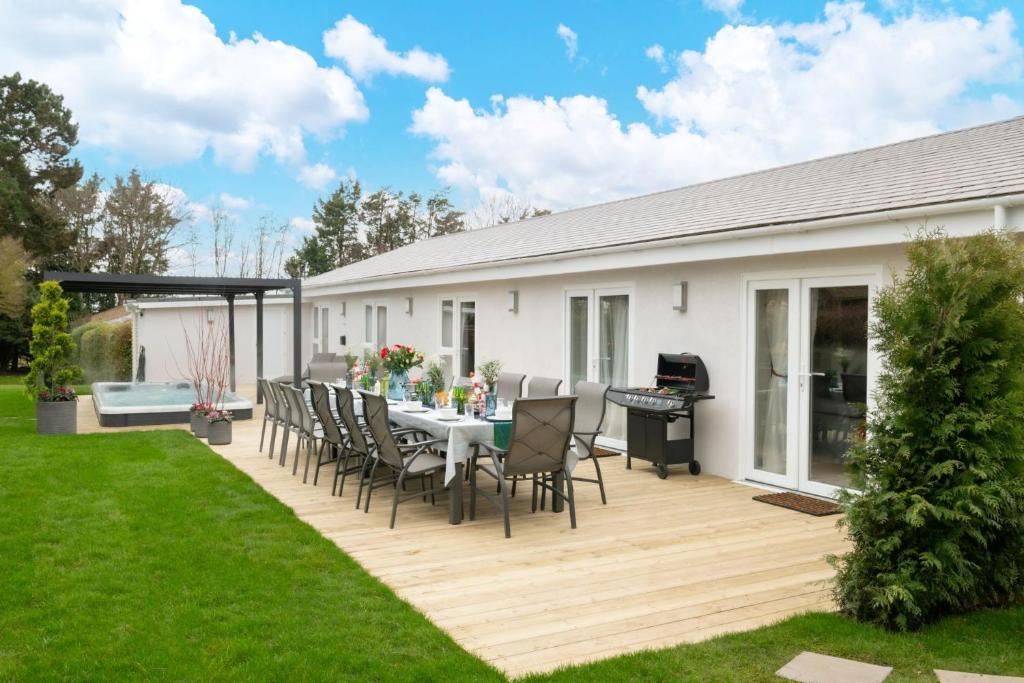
x=56 y=417
x=199 y=424
x=218 y=433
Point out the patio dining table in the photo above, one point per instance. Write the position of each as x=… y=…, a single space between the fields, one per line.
x=460 y=435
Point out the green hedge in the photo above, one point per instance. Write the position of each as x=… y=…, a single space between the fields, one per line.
x=104 y=351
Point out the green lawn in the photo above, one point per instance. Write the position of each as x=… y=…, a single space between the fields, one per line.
x=19 y=380
x=145 y=556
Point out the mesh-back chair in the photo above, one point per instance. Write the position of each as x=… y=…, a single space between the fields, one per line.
x=287 y=417
x=306 y=430
x=269 y=412
x=510 y=386
x=402 y=461
x=332 y=434
x=590 y=410
x=357 y=450
x=541 y=430
x=539 y=387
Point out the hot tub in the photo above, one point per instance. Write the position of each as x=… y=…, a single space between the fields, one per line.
x=128 y=404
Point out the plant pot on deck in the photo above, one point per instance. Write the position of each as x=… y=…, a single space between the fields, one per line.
x=199 y=424
x=56 y=417
x=219 y=433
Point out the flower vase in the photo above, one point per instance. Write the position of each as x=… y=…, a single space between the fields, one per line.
x=396 y=385
x=490 y=404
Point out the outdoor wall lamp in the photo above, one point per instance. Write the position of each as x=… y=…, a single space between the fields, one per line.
x=408 y=305
x=343 y=309
x=209 y=316
x=679 y=295
x=513 y=301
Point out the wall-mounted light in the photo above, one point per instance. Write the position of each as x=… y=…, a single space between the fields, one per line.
x=343 y=307
x=679 y=296
x=408 y=305
x=209 y=316
x=513 y=301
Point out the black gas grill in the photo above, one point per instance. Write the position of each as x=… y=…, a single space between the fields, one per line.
x=681 y=382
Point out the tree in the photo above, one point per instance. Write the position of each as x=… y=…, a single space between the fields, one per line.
x=938 y=524
x=441 y=217
x=337 y=224
x=137 y=226
x=36 y=136
x=264 y=260
x=14 y=262
x=312 y=258
x=80 y=209
x=505 y=208
x=51 y=347
x=223 y=240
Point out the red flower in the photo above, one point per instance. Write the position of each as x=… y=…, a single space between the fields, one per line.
x=384 y=352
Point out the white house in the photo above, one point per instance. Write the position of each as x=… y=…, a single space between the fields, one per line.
x=767 y=276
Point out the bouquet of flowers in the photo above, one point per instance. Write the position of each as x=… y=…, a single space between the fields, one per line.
x=400 y=358
x=215 y=415
x=371 y=362
x=59 y=393
x=201 y=408
x=490 y=371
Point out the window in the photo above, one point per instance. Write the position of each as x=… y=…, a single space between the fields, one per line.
x=447 y=323
x=467 y=327
x=316 y=329
x=325 y=314
x=382 y=326
x=368 y=330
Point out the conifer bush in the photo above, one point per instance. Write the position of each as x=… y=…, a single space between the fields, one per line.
x=938 y=525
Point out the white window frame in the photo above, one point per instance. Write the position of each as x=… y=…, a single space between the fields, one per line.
x=455 y=350
x=373 y=342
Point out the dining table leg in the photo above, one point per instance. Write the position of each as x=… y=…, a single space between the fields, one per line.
x=455 y=496
x=557 y=502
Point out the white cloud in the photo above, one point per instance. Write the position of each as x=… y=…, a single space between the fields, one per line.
x=570 y=39
x=153 y=78
x=656 y=53
x=316 y=176
x=230 y=201
x=757 y=96
x=730 y=8
x=302 y=224
x=365 y=54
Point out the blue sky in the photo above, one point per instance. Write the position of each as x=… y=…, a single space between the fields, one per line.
x=599 y=99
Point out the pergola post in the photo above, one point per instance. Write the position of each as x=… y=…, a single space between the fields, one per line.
x=259 y=344
x=231 y=337
x=297 y=332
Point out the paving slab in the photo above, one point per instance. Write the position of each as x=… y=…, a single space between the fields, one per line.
x=964 y=677
x=811 y=667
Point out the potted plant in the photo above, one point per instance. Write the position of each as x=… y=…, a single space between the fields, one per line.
x=490 y=371
x=197 y=418
x=52 y=370
x=398 y=360
x=459 y=398
x=435 y=380
x=219 y=427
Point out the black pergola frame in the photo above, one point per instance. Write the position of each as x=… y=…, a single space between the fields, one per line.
x=228 y=287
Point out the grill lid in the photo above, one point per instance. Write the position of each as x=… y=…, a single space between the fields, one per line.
x=682 y=371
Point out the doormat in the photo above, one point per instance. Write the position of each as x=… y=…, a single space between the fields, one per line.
x=805 y=504
x=604 y=452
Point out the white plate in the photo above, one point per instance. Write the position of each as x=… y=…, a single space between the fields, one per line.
x=457 y=418
x=415 y=410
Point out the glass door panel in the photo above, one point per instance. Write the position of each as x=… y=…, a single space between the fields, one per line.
x=836 y=381
x=382 y=326
x=613 y=356
x=771 y=380
x=579 y=340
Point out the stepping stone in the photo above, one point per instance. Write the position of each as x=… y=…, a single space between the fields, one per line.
x=961 y=677
x=810 y=667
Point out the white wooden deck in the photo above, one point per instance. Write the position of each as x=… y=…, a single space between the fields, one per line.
x=665 y=562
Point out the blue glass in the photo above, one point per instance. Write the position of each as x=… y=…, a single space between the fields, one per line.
x=490 y=404
x=396 y=385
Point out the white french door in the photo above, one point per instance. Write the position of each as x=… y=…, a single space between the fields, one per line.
x=809 y=367
x=598 y=333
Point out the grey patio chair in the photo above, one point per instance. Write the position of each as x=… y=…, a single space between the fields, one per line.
x=306 y=430
x=403 y=461
x=356 y=445
x=590 y=410
x=510 y=386
x=539 y=387
x=332 y=434
x=284 y=419
x=541 y=430
x=269 y=413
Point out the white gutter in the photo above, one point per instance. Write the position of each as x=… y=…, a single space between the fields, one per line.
x=997 y=204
